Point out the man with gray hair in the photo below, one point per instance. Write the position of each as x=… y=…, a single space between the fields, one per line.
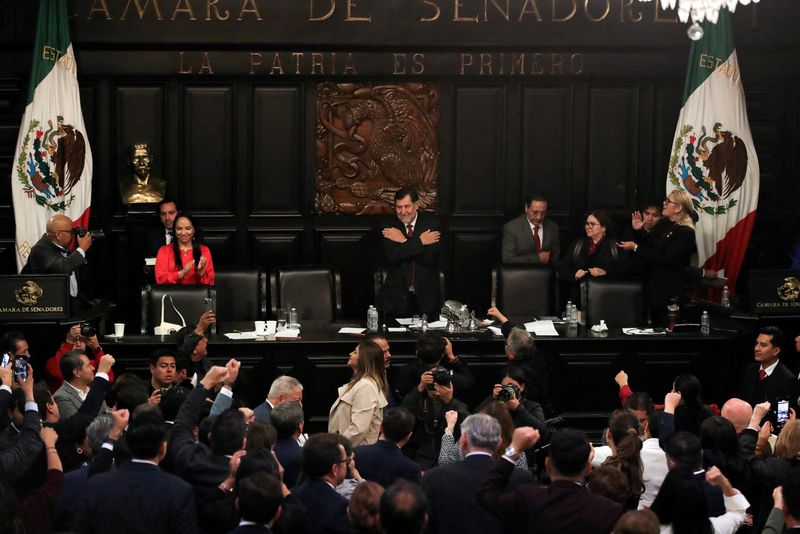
x=451 y=489
x=283 y=389
x=288 y=420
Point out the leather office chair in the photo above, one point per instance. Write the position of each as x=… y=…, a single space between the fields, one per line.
x=523 y=291
x=241 y=294
x=379 y=279
x=619 y=302
x=316 y=292
x=189 y=300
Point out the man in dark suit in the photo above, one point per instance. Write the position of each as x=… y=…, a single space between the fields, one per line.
x=411 y=245
x=563 y=506
x=259 y=503
x=287 y=418
x=531 y=237
x=767 y=379
x=51 y=255
x=451 y=489
x=384 y=462
x=157 y=238
x=283 y=389
x=402 y=509
x=325 y=466
x=138 y=496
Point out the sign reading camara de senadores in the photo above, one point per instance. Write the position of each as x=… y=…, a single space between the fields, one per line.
x=43 y=297
x=775 y=292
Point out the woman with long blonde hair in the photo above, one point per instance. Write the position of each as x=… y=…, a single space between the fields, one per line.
x=665 y=253
x=357 y=413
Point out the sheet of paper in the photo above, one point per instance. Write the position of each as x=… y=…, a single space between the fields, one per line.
x=351 y=330
x=496 y=331
x=541 y=328
x=287 y=333
x=438 y=324
x=241 y=335
x=643 y=332
x=398 y=329
x=405 y=321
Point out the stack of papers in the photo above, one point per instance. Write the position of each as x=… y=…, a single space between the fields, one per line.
x=287 y=333
x=351 y=330
x=541 y=328
x=241 y=335
x=643 y=332
x=398 y=329
x=496 y=331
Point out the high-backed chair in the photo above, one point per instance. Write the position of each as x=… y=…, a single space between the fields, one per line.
x=379 y=279
x=189 y=300
x=316 y=292
x=523 y=291
x=241 y=294
x=619 y=302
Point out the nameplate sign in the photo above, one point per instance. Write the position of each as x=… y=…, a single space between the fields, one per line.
x=34 y=297
x=775 y=292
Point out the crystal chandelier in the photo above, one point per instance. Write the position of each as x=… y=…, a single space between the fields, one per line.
x=700 y=10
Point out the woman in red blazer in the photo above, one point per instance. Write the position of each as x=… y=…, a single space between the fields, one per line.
x=184 y=261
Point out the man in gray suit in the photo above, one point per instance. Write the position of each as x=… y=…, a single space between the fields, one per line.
x=78 y=372
x=531 y=237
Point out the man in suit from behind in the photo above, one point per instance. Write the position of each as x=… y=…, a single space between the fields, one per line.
x=259 y=502
x=384 y=462
x=531 y=237
x=563 y=506
x=283 y=389
x=139 y=496
x=325 y=467
x=411 y=246
x=287 y=418
x=402 y=509
x=451 y=489
x=767 y=379
x=78 y=372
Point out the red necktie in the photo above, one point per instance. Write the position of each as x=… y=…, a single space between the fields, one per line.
x=410 y=233
x=537 y=243
x=762 y=374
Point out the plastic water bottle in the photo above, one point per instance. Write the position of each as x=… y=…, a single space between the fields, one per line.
x=705 y=324
x=293 y=318
x=372 y=319
x=424 y=322
x=726 y=297
x=567 y=311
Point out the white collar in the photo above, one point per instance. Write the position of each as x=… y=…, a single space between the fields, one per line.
x=477 y=453
x=771 y=368
x=412 y=223
x=81 y=393
x=140 y=461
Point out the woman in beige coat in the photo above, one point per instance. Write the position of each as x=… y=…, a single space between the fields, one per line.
x=357 y=413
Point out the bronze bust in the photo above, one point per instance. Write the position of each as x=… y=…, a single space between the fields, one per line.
x=142 y=188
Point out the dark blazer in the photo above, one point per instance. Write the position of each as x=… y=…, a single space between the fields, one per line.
x=326 y=508
x=518 y=246
x=262 y=411
x=781 y=384
x=608 y=257
x=48 y=258
x=290 y=455
x=401 y=256
x=561 y=507
x=27 y=447
x=155 y=239
x=136 y=498
x=384 y=462
x=408 y=375
x=452 y=503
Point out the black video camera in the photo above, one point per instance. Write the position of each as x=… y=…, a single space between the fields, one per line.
x=441 y=376
x=81 y=231
x=508 y=392
x=87 y=330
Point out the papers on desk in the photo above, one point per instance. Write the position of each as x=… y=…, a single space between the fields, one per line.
x=437 y=324
x=496 y=331
x=351 y=330
x=398 y=329
x=409 y=321
x=405 y=321
x=288 y=333
x=643 y=332
x=241 y=335
x=541 y=328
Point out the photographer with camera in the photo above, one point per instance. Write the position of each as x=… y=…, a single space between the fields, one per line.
x=431 y=399
x=51 y=254
x=81 y=337
x=510 y=392
x=435 y=350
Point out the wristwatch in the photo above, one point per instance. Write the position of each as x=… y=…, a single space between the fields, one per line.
x=511 y=453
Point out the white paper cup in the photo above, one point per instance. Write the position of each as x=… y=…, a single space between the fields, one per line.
x=272 y=327
x=261 y=328
x=119 y=329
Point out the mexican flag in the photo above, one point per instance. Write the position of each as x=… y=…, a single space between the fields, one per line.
x=52 y=168
x=713 y=157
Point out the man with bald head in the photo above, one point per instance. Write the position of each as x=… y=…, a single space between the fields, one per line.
x=738 y=412
x=51 y=254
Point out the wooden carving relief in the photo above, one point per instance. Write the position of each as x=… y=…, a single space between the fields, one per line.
x=371 y=141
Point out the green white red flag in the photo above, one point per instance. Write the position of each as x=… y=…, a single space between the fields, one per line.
x=713 y=157
x=52 y=168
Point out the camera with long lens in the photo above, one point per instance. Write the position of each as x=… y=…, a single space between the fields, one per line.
x=87 y=330
x=508 y=392
x=441 y=376
x=81 y=231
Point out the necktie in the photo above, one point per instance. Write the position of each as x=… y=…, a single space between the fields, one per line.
x=762 y=374
x=410 y=233
x=536 y=241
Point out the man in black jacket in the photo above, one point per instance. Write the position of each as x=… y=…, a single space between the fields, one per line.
x=434 y=350
x=383 y=462
x=325 y=467
x=767 y=379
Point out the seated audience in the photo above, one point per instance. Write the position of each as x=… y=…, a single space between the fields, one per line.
x=138 y=496
x=358 y=410
x=74 y=341
x=563 y=506
x=185 y=260
x=78 y=371
x=451 y=489
x=283 y=389
x=287 y=419
x=384 y=462
x=402 y=509
x=363 y=508
x=324 y=468
x=259 y=501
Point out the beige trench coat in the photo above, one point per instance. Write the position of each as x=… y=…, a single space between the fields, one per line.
x=357 y=414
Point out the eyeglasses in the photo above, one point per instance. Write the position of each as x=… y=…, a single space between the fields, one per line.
x=668 y=201
x=591 y=224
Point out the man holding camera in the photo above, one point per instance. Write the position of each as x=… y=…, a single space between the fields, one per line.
x=51 y=254
x=81 y=337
